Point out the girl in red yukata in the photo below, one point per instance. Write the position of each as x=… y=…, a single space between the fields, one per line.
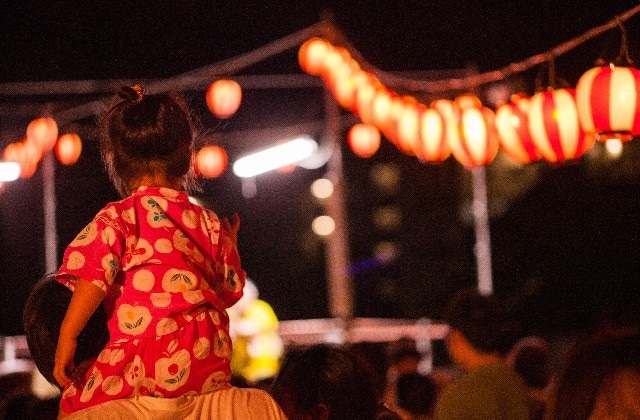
x=164 y=268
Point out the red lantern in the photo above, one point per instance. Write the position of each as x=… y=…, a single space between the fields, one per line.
x=312 y=55
x=512 y=125
x=211 y=161
x=224 y=97
x=432 y=143
x=408 y=126
x=68 y=148
x=608 y=102
x=476 y=143
x=43 y=132
x=555 y=128
x=364 y=140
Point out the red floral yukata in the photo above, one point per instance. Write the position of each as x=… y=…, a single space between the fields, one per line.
x=169 y=272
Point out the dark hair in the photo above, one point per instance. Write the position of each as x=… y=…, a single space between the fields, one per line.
x=329 y=376
x=531 y=359
x=147 y=134
x=416 y=393
x=43 y=313
x=585 y=368
x=482 y=321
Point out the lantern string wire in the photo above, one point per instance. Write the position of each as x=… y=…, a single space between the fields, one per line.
x=478 y=79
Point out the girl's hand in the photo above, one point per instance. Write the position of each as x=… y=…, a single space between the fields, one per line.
x=232 y=229
x=64 y=360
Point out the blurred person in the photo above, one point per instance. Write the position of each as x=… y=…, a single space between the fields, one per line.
x=476 y=342
x=530 y=358
x=164 y=268
x=599 y=378
x=403 y=358
x=324 y=382
x=42 y=317
x=416 y=396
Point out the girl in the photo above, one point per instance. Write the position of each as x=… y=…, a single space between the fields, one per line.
x=165 y=269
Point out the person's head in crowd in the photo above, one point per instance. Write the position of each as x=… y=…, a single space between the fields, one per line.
x=600 y=378
x=530 y=357
x=404 y=356
x=42 y=316
x=416 y=393
x=324 y=382
x=480 y=322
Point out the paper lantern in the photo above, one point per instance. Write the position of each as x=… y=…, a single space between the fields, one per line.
x=608 y=102
x=512 y=125
x=211 y=161
x=476 y=143
x=408 y=127
x=224 y=97
x=312 y=55
x=555 y=128
x=344 y=84
x=432 y=145
x=43 y=132
x=364 y=140
x=68 y=148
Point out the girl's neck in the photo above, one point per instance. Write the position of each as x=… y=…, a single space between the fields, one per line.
x=155 y=181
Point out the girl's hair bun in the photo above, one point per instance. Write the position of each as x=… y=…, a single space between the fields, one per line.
x=131 y=93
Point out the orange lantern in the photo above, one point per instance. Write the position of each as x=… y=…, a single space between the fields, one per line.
x=555 y=128
x=381 y=107
x=364 y=140
x=408 y=126
x=512 y=125
x=432 y=145
x=312 y=55
x=608 y=101
x=43 y=132
x=477 y=143
x=450 y=112
x=224 y=97
x=211 y=161
x=68 y=148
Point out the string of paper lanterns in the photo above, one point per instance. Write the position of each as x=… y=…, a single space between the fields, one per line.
x=555 y=125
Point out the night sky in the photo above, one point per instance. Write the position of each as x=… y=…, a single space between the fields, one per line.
x=565 y=238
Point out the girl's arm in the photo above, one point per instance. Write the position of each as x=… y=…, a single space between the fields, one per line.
x=85 y=300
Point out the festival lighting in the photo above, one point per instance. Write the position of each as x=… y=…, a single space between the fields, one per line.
x=9 y=171
x=275 y=157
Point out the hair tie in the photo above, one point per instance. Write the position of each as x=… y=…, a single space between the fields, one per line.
x=131 y=93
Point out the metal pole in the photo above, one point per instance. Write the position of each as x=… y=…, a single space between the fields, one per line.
x=481 y=223
x=49 y=208
x=339 y=281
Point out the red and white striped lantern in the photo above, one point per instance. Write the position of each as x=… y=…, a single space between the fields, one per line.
x=477 y=142
x=512 y=125
x=608 y=101
x=432 y=143
x=555 y=128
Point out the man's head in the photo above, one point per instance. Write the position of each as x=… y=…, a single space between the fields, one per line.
x=481 y=320
x=42 y=316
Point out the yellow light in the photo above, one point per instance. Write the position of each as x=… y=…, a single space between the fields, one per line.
x=323 y=225
x=322 y=188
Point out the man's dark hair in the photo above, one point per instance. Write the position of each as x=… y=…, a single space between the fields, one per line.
x=482 y=321
x=42 y=316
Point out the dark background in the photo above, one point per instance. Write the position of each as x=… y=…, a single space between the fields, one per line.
x=565 y=238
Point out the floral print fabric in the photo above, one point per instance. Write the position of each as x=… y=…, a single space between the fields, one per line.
x=169 y=271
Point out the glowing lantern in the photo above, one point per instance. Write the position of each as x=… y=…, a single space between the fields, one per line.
x=608 y=102
x=345 y=83
x=364 y=140
x=68 y=148
x=477 y=142
x=450 y=111
x=408 y=127
x=512 y=125
x=312 y=55
x=381 y=107
x=43 y=132
x=211 y=161
x=555 y=128
x=365 y=94
x=432 y=145
x=224 y=97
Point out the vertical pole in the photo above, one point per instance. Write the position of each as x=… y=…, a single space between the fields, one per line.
x=49 y=208
x=339 y=281
x=481 y=223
